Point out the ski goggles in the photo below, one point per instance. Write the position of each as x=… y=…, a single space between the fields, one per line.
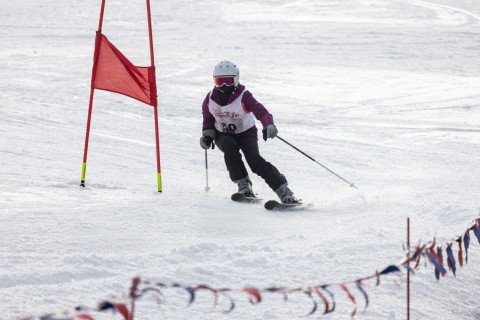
x=220 y=81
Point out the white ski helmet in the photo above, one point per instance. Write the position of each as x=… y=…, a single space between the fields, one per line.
x=226 y=68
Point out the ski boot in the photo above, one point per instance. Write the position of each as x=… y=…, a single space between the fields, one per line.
x=286 y=195
x=245 y=187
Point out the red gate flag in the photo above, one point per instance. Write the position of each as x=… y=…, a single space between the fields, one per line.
x=112 y=71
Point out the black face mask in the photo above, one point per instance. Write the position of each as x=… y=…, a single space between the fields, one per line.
x=224 y=92
x=225 y=89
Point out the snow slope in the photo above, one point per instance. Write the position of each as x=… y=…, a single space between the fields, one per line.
x=383 y=92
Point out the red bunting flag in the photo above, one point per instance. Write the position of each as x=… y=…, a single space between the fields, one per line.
x=351 y=297
x=213 y=290
x=83 y=316
x=324 y=300
x=123 y=310
x=254 y=295
x=460 y=253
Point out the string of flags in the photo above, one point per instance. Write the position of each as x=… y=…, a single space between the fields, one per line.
x=322 y=297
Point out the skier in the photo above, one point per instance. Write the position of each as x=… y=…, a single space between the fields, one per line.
x=229 y=113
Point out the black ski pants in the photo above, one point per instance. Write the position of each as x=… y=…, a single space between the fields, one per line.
x=231 y=145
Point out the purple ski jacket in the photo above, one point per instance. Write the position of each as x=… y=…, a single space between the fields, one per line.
x=250 y=104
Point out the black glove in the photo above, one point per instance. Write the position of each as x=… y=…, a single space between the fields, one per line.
x=269 y=132
x=208 y=135
x=206 y=142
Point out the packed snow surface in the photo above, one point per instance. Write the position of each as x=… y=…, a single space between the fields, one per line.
x=386 y=93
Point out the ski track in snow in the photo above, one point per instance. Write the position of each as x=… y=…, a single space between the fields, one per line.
x=446 y=13
x=385 y=93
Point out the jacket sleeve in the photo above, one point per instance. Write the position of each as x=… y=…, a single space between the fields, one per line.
x=208 y=119
x=259 y=111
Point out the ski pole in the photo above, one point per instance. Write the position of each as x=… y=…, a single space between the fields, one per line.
x=206 y=170
x=306 y=155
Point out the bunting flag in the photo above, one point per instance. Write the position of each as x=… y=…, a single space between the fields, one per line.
x=255 y=296
x=214 y=291
x=223 y=292
x=476 y=232
x=315 y=304
x=332 y=298
x=318 y=291
x=115 y=307
x=436 y=259
x=460 y=252
x=390 y=269
x=451 y=259
x=439 y=260
x=154 y=292
x=466 y=243
x=377 y=276
x=417 y=256
x=360 y=288
x=351 y=297
x=75 y=316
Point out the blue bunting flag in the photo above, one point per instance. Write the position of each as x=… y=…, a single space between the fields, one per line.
x=364 y=293
x=476 y=232
x=466 y=243
x=390 y=269
x=451 y=258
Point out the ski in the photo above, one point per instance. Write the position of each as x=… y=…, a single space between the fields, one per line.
x=270 y=204
x=275 y=205
x=240 y=197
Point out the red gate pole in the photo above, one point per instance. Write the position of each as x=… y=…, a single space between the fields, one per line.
x=408 y=270
x=157 y=143
x=155 y=111
x=92 y=89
